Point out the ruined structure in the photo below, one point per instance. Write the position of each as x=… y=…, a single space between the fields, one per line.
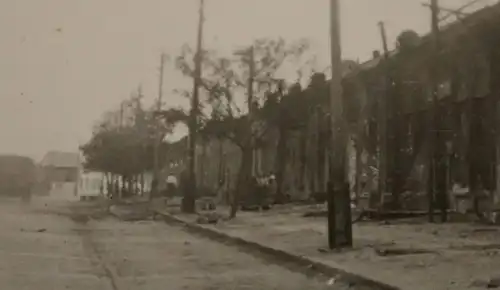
x=468 y=93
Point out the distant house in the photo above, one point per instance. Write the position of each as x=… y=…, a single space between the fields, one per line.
x=60 y=171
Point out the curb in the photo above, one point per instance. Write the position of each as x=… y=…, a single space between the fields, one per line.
x=130 y=215
x=284 y=256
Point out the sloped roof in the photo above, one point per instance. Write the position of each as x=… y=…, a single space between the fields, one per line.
x=61 y=159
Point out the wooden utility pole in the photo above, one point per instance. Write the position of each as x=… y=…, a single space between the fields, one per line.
x=454 y=12
x=250 y=101
x=188 y=201
x=339 y=201
x=440 y=119
x=247 y=56
x=251 y=69
x=437 y=172
x=158 y=134
x=382 y=120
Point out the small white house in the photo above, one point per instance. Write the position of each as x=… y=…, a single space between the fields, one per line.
x=59 y=172
x=91 y=185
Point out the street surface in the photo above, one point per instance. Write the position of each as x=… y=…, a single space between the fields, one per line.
x=43 y=250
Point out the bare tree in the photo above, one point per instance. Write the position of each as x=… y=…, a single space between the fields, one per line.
x=251 y=71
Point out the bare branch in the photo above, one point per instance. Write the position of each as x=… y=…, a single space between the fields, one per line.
x=225 y=78
x=182 y=92
x=182 y=62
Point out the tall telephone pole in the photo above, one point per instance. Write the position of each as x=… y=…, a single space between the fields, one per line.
x=433 y=134
x=339 y=202
x=251 y=68
x=250 y=101
x=247 y=56
x=438 y=172
x=188 y=201
x=382 y=107
x=437 y=183
x=156 y=161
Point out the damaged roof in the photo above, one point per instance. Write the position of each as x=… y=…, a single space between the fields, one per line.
x=61 y=159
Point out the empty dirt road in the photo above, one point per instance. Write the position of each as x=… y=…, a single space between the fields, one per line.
x=43 y=250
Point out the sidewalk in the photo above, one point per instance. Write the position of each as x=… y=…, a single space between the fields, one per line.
x=456 y=256
x=139 y=209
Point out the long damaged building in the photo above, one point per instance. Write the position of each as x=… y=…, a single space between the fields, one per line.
x=464 y=74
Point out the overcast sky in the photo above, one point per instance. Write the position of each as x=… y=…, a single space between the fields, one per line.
x=64 y=62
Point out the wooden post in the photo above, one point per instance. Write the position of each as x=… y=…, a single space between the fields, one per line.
x=382 y=121
x=496 y=197
x=157 y=139
x=250 y=100
x=339 y=209
x=438 y=187
x=442 y=125
x=188 y=201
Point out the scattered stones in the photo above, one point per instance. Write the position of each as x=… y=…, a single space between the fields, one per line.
x=491 y=253
x=315 y=213
x=208 y=218
x=479 y=284
x=206 y=204
x=81 y=219
x=493 y=283
x=400 y=251
x=483 y=230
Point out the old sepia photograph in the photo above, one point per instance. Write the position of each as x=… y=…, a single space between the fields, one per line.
x=249 y=144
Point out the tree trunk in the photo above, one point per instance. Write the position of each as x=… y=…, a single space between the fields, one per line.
x=119 y=187
x=202 y=165
x=142 y=183
x=359 y=170
x=321 y=156
x=221 y=180
x=244 y=175
x=188 y=204
x=228 y=186
x=281 y=156
x=127 y=186
x=109 y=184
x=303 y=160
x=134 y=184
x=137 y=184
